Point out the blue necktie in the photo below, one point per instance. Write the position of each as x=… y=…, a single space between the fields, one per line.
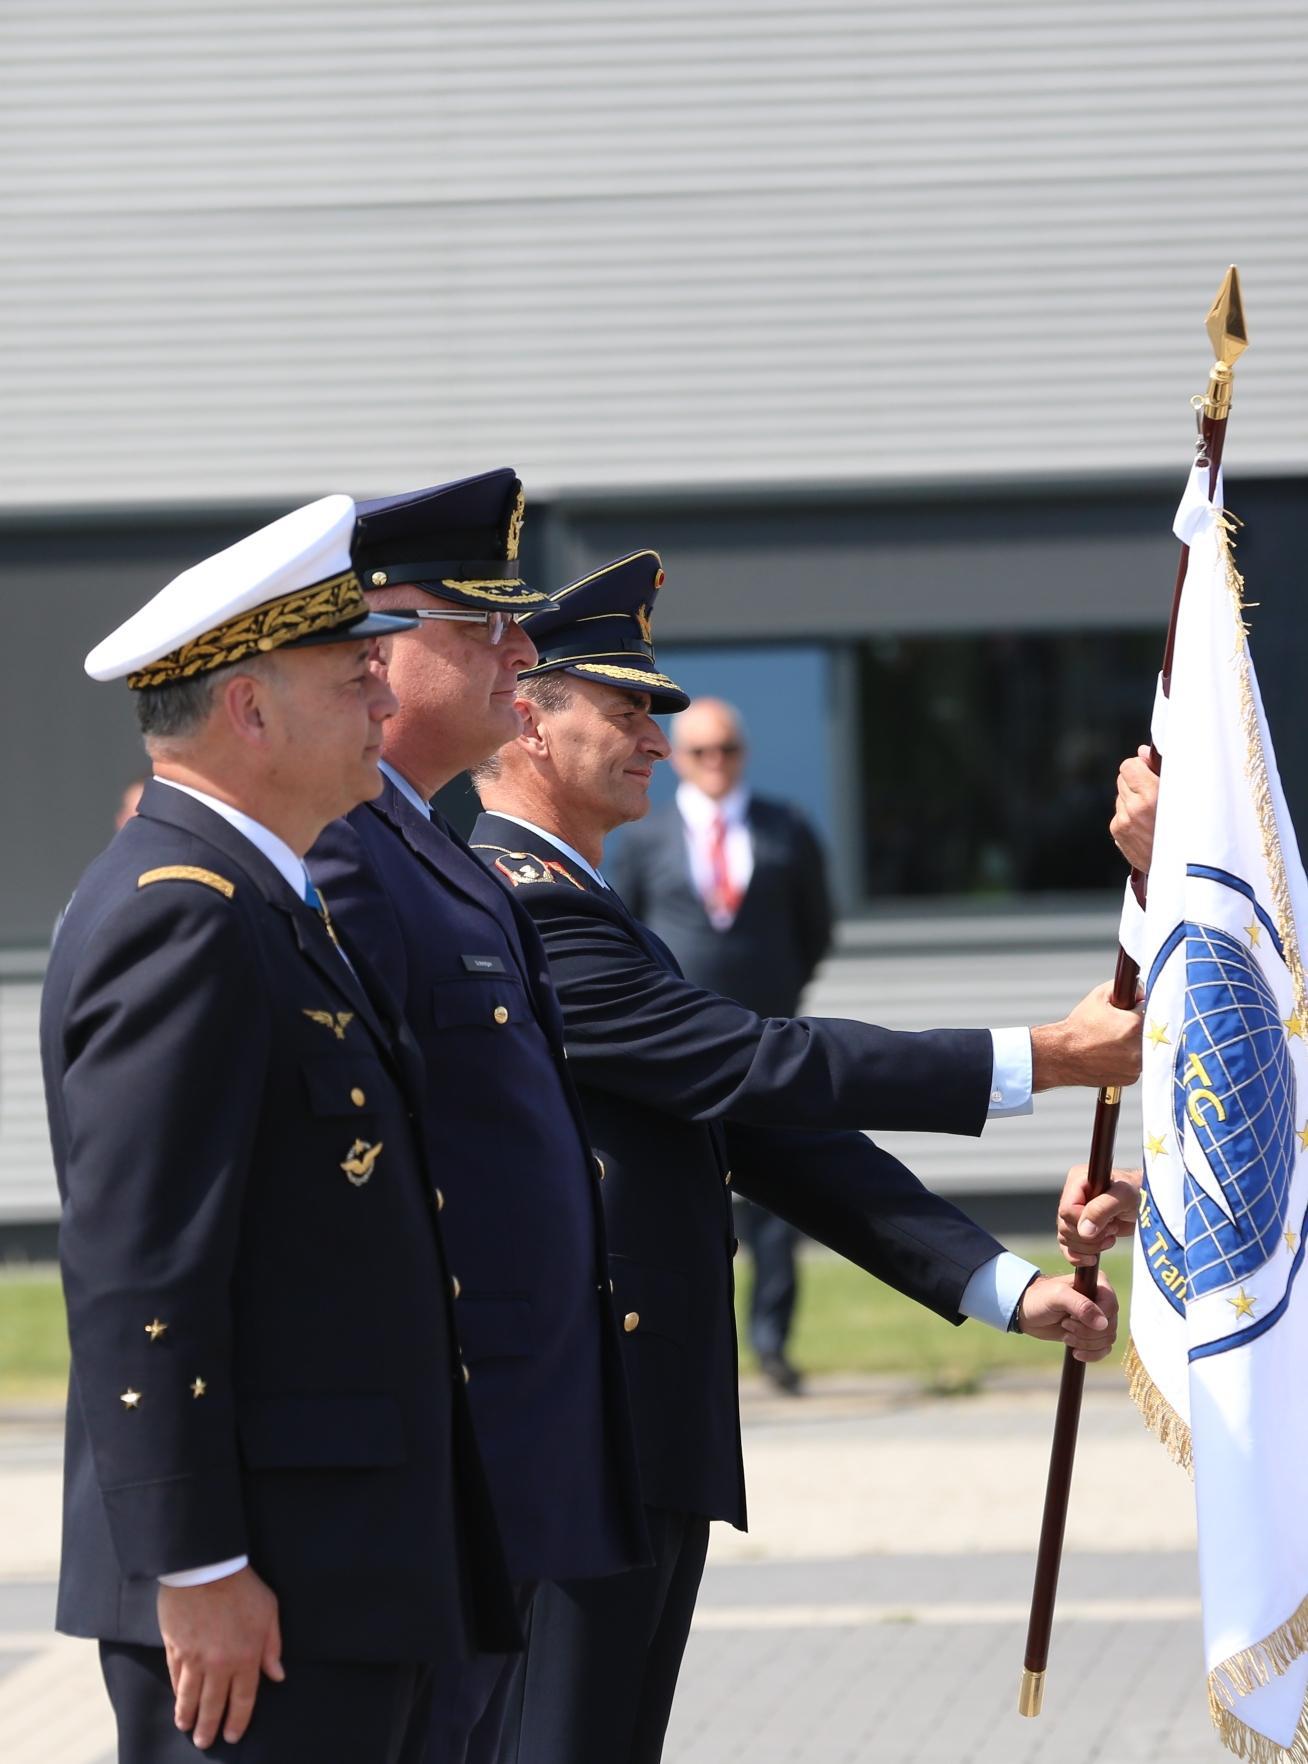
x=313 y=898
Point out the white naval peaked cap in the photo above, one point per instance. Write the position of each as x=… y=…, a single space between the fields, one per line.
x=292 y=582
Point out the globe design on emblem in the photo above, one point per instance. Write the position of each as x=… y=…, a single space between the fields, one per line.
x=1233 y=1084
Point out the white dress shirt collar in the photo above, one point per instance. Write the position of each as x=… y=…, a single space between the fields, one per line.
x=276 y=850
x=569 y=851
x=405 y=789
x=700 y=811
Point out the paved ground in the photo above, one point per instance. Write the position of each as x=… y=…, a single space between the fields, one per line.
x=876 y=1611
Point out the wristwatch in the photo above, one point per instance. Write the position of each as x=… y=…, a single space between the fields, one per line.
x=1015 y=1321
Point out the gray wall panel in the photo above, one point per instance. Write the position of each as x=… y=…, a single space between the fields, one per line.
x=266 y=250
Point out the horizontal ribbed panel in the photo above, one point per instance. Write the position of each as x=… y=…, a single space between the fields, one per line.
x=27 y=1182
x=257 y=251
x=983 y=974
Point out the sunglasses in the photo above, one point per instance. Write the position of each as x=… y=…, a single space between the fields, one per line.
x=496 y=623
x=728 y=750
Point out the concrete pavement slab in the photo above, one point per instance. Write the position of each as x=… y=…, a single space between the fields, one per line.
x=876 y=1611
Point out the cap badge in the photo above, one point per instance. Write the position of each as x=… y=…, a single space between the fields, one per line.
x=514 y=534
x=646 y=630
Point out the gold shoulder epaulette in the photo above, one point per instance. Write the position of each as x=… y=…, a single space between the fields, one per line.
x=187 y=873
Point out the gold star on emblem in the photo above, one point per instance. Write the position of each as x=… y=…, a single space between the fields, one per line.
x=1157 y=1033
x=1292 y=1241
x=1253 y=931
x=1244 y=1305
x=198 y=1387
x=1295 y=1025
x=1156 y=1144
x=1302 y=1137
x=130 y=1399
x=155 y=1330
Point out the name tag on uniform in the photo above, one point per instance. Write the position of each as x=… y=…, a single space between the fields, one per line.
x=487 y=964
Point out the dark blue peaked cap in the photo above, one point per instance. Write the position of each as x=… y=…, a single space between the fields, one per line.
x=458 y=541
x=599 y=629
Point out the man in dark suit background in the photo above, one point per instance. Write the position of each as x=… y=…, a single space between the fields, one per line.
x=688 y=1096
x=459 y=958
x=274 y=1520
x=735 y=885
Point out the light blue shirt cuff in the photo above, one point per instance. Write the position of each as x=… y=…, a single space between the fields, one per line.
x=991 y=1295
x=204 y=1576
x=1010 y=1073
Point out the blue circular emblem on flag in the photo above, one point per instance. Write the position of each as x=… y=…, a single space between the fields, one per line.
x=1234 y=1087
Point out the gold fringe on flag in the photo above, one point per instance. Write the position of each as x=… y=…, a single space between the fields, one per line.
x=1256 y=767
x=1247 y=1742
x=1158 y=1415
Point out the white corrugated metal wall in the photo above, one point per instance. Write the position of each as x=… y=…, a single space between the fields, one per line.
x=257 y=250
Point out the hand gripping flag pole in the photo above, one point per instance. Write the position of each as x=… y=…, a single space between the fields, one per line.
x=1226 y=331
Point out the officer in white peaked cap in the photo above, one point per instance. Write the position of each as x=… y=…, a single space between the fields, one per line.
x=274 y=1518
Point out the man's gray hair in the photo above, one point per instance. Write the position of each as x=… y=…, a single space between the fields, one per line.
x=181 y=708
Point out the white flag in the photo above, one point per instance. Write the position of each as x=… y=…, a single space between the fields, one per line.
x=1219 y=1313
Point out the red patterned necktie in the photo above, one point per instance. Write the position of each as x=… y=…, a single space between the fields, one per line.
x=724 y=896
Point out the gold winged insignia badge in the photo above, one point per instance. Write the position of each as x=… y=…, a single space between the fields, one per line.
x=337 y=1023
x=359 y=1160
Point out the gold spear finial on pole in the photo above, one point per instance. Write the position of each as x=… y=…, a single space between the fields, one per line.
x=1230 y=338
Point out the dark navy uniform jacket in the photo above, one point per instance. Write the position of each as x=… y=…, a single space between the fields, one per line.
x=523 y=1215
x=263 y=1353
x=686 y=1094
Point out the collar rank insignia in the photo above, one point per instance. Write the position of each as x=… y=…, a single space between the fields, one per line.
x=518 y=867
x=338 y=1023
x=557 y=869
x=359 y=1161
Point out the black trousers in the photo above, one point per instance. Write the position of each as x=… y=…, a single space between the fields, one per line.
x=325 y=1713
x=470 y=1700
x=772 y=1243
x=595 y=1684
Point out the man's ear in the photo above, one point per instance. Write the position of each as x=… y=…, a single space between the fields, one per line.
x=242 y=704
x=532 y=734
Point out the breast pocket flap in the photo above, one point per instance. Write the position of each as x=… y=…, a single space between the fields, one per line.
x=470 y=1001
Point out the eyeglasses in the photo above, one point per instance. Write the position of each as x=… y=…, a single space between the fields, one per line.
x=728 y=750
x=496 y=623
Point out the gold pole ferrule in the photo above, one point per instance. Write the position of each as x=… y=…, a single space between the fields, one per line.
x=1032 y=1693
x=1217 y=399
x=1111 y=1095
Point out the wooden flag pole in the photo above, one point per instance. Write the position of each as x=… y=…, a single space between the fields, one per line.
x=1226 y=331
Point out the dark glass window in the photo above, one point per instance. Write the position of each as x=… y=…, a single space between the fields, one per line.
x=989 y=762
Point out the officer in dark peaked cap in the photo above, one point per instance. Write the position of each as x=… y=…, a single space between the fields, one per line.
x=274 y=1517
x=689 y=1095
x=460 y=960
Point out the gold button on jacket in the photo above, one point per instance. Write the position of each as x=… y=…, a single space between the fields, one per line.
x=631 y=1321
